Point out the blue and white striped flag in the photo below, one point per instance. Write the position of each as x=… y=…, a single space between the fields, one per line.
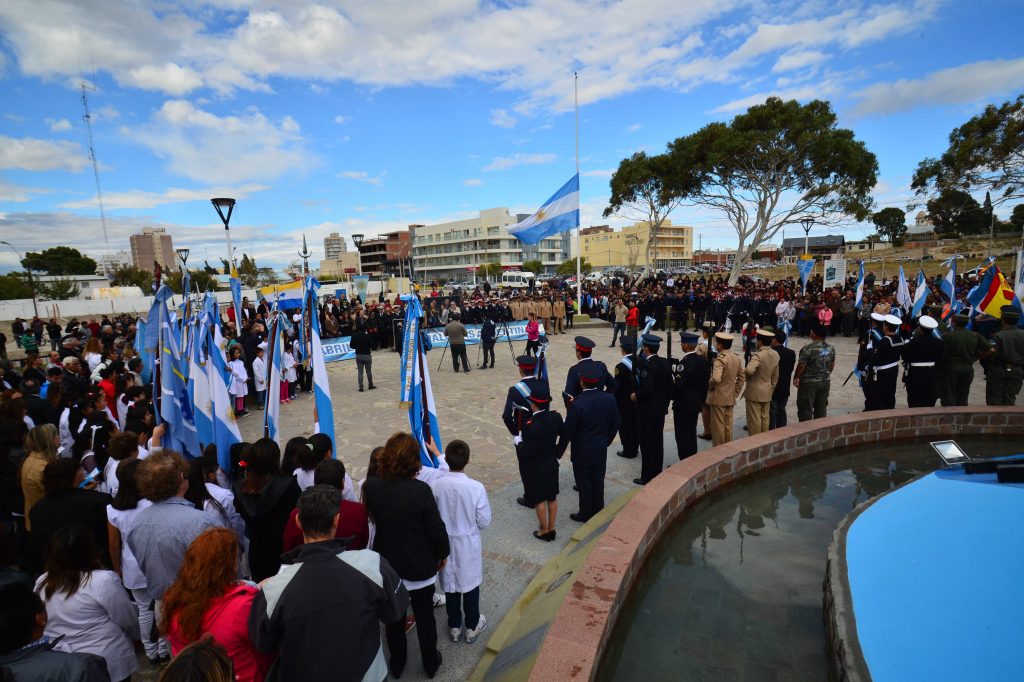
x=920 y=295
x=805 y=266
x=558 y=214
x=948 y=283
x=199 y=383
x=903 y=292
x=225 y=426
x=859 y=299
x=175 y=409
x=275 y=362
x=236 y=298
x=143 y=353
x=321 y=387
x=416 y=394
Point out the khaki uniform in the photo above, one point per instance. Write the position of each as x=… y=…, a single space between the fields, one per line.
x=558 y=311
x=518 y=310
x=544 y=314
x=530 y=307
x=724 y=387
x=762 y=376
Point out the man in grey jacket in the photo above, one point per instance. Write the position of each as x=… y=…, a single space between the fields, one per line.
x=456 y=333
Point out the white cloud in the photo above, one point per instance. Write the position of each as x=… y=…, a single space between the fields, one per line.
x=635 y=127
x=506 y=162
x=473 y=182
x=169 y=77
x=363 y=176
x=827 y=87
x=502 y=119
x=289 y=125
x=598 y=173
x=33 y=154
x=57 y=126
x=957 y=85
x=798 y=60
x=135 y=199
x=13 y=194
x=339 y=119
x=205 y=147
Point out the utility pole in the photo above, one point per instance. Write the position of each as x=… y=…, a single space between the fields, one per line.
x=87 y=117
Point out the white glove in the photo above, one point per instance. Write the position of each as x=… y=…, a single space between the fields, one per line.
x=516 y=440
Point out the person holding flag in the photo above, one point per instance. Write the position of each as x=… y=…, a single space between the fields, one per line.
x=625 y=387
x=921 y=355
x=518 y=409
x=652 y=397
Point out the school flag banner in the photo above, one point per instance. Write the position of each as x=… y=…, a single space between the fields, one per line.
x=805 y=266
x=284 y=296
x=198 y=383
x=321 y=386
x=948 y=283
x=416 y=394
x=992 y=293
x=835 y=272
x=860 y=288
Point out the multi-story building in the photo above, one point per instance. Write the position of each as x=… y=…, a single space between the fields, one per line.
x=334 y=246
x=386 y=255
x=457 y=249
x=828 y=245
x=153 y=245
x=603 y=247
x=343 y=267
x=110 y=262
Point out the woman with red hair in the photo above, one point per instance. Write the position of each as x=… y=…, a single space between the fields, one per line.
x=208 y=598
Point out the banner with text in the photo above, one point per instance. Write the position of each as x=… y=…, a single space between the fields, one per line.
x=835 y=272
x=341 y=349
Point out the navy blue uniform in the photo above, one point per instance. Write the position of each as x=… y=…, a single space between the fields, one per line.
x=625 y=386
x=653 y=393
x=517 y=397
x=572 y=380
x=689 y=391
x=591 y=425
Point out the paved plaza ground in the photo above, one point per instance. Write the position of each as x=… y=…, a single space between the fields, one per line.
x=469 y=407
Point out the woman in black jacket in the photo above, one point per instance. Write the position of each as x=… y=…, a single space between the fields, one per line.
x=265 y=499
x=414 y=540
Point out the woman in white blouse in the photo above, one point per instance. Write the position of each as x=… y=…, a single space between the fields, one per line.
x=86 y=606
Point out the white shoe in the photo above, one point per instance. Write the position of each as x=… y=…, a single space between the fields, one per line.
x=439 y=599
x=471 y=635
x=455 y=633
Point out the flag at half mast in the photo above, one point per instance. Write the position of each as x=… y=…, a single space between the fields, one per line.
x=560 y=213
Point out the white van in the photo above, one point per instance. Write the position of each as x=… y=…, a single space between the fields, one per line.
x=516 y=280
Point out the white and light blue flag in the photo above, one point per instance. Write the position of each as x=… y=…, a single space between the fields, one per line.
x=321 y=386
x=903 y=292
x=416 y=393
x=225 y=425
x=805 y=266
x=920 y=295
x=948 y=283
x=275 y=362
x=175 y=409
x=198 y=383
x=560 y=213
x=860 y=288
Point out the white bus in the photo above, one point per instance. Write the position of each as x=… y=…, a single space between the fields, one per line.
x=516 y=280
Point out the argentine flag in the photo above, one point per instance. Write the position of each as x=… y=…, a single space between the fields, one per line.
x=274 y=364
x=920 y=295
x=558 y=214
x=416 y=394
x=225 y=426
x=321 y=387
x=860 y=288
x=198 y=384
x=903 y=292
x=948 y=283
x=175 y=408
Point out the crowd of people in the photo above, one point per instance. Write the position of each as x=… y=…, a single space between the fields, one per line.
x=111 y=540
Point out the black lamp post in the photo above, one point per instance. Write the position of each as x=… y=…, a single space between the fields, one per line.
x=225 y=207
x=357 y=239
x=31 y=284
x=183 y=255
x=807 y=224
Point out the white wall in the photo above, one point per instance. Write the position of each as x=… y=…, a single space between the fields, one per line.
x=84 y=308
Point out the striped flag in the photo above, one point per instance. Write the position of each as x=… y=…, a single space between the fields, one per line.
x=860 y=288
x=175 y=409
x=321 y=386
x=236 y=297
x=560 y=213
x=992 y=293
x=225 y=426
x=903 y=292
x=948 y=283
x=920 y=295
x=416 y=394
x=274 y=364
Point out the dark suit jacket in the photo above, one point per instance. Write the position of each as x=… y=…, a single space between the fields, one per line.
x=572 y=379
x=591 y=425
x=410 y=532
x=514 y=399
x=655 y=389
x=50 y=514
x=690 y=386
x=787 y=361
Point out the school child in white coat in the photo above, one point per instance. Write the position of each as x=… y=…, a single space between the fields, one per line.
x=259 y=375
x=239 y=387
x=290 y=377
x=465 y=512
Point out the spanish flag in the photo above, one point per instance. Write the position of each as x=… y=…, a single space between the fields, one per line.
x=992 y=293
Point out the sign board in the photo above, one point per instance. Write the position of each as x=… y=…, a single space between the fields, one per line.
x=350 y=271
x=341 y=348
x=471 y=268
x=835 y=272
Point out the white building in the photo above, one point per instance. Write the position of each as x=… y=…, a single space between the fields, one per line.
x=113 y=261
x=334 y=246
x=454 y=250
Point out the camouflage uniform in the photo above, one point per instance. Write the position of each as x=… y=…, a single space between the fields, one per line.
x=818 y=358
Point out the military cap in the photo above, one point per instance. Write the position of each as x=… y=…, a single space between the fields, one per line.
x=627 y=344
x=892 y=320
x=584 y=345
x=724 y=336
x=766 y=332
x=539 y=392
x=526 y=361
x=687 y=337
x=1009 y=314
x=928 y=322
x=651 y=340
x=590 y=372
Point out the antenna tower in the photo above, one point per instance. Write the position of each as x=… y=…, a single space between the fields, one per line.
x=96 y=173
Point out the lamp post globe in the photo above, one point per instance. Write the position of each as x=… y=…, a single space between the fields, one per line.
x=357 y=239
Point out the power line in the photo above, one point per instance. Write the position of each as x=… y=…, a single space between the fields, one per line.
x=96 y=174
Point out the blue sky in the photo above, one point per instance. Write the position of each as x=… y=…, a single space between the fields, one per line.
x=364 y=117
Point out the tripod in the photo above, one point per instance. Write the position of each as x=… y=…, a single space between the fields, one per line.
x=508 y=339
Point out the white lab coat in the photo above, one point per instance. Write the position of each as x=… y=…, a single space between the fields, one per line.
x=288 y=364
x=239 y=376
x=259 y=373
x=465 y=512
x=97 y=619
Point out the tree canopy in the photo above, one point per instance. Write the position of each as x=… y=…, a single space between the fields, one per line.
x=59 y=260
x=890 y=223
x=985 y=154
x=956 y=212
x=568 y=267
x=774 y=165
x=201 y=280
x=14 y=286
x=641 y=192
x=534 y=266
x=127 y=276
x=58 y=290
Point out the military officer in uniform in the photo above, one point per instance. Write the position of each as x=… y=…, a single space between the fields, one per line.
x=625 y=387
x=962 y=348
x=868 y=338
x=724 y=387
x=812 y=376
x=762 y=376
x=920 y=357
x=591 y=425
x=689 y=391
x=584 y=348
x=652 y=397
x=1006 y=364
x=885 y=361
x=706 y=349
x=518 y=407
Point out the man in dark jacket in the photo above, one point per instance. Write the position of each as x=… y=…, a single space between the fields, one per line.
x=689 y=391
x=584 y=348
x=787 y=361
x=488 y=337
x=518 y=407
x=592 y=423
x=625 y=387
x=26 y=654
x=652 y=396
x=321 y=613
x=920 y=356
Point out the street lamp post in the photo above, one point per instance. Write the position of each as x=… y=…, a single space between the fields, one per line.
x=183 y=255
x=225 y=207
x=357 y=239
x=31 y=284
x=807 y=224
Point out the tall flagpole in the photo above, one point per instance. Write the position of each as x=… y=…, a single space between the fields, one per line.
x=579 y=255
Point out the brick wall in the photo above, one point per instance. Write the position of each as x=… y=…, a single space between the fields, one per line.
x=573 y=645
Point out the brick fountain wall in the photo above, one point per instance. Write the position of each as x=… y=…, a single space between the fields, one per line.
x=574 y=643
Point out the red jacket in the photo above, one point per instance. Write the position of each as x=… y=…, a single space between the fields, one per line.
x=352 y=523
x=227 y=619
x=633 y=317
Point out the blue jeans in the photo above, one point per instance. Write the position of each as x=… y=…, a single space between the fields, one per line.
x=261 y=398
x=617 y=329
x=469 y=602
